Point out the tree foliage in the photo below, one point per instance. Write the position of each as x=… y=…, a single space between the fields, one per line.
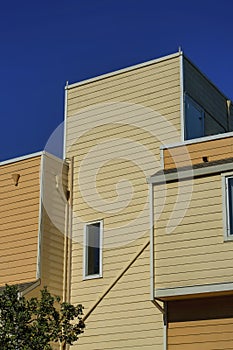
x=34 y=323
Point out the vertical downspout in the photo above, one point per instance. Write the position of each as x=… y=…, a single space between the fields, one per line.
x=67 y=206
x=67 y=248
x=66 y=287
x=65 y=272
x=70 y=205
x=182 y=121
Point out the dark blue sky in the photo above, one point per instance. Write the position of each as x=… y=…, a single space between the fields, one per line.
x=45 y=43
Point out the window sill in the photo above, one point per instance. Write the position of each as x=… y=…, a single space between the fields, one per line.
x=91 y=277
x=228 y=238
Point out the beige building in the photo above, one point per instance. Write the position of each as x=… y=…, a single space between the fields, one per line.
x=148 y=244
x=136 y=223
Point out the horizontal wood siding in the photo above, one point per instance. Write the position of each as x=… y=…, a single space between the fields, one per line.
x=189 y=240
x=204 y=324
x=192 y=154
x=207 y=96
x=53 y=224
x=125 y=318
x=115 y=127
x=201 y=335
x=19 y=217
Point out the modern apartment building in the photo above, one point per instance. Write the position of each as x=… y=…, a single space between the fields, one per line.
x=150 y=258
x=136 y=222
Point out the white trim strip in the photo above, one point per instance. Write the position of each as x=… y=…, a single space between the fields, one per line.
x=127 y=69
x=65 y=119
x=18 y=159
x=182 y=121
x=190 y=290
x=225 y=207
x=40 y=221
x=198 y=140
x=31 y=155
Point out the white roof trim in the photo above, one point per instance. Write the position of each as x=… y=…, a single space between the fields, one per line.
x=18 y=159
x=198 y=140
x=190 y=290
x=31 y=155
x=127 y=69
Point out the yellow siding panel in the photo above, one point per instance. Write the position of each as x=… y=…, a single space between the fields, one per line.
x=209 y=334
x=113 y=135
x=116 y=323
x=194 y=253
x=19 y=217
x=192 y=154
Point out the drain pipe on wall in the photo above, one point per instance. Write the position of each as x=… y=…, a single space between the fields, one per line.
x=163 y=310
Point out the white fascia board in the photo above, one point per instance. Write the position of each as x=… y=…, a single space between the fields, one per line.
x=198 y=140
x=31 y=155
x=182 y=119
x=193 y=290
x=65 y=120
x=124 y=70
x=18 y=159
x=190 y=173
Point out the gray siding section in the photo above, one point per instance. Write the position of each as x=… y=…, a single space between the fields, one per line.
x=201 y=90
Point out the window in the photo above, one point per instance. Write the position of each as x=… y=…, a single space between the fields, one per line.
x=93 y=233
x=229 y=206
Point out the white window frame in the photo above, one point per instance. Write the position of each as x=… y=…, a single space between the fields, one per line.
x=226 y=214
x=85 y=253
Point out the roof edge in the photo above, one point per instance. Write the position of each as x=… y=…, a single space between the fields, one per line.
x=18 y=159
x=123 y=70
x=31 y=155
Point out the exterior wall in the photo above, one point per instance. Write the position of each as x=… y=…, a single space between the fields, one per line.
x=33 y=228
x=53 y=225
x=125 y=318
x=189 y=238
x=209 y=97
x=191 y=154
x=205 y=324
x=19 y=218
x=202 y=335
x=115 y=127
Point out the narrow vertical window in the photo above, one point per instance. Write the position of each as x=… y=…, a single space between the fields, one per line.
x=229 y=205
x=93 y=250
